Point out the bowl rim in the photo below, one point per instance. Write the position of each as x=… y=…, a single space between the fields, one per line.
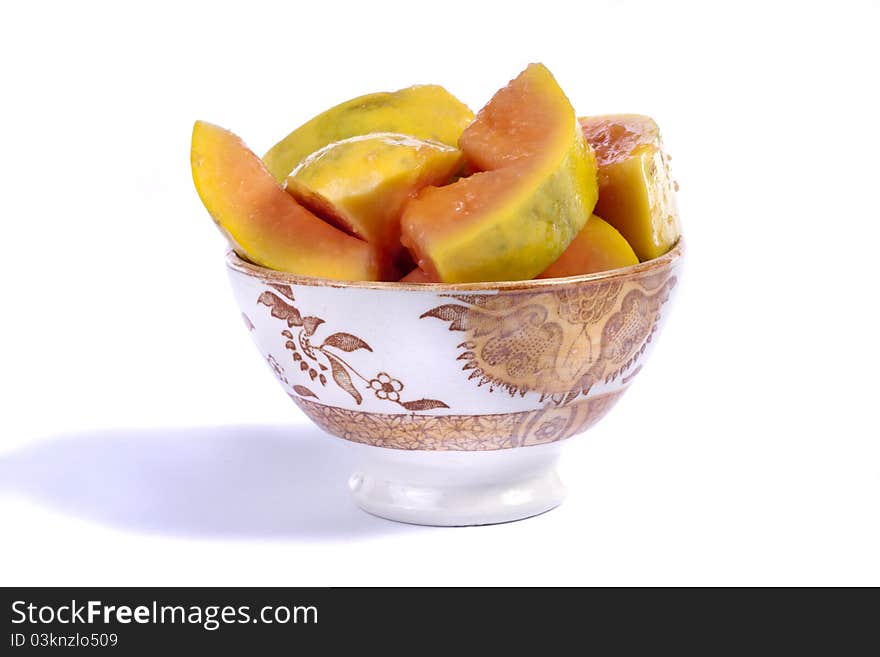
x=236 y=263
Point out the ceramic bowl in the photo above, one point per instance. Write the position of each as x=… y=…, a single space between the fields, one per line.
x=458 y=397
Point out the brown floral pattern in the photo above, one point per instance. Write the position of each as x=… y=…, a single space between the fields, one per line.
x=460 y=432
x=564 y=341
x=558 y=342
x=385 y=387
x=317 y=356
x=587 y=305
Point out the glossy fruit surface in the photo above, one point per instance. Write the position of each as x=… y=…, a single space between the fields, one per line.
x=263 y=222
x=423 y=111
x=636 y=191
x=534 y=190
x=361 y=184
x=418 y=276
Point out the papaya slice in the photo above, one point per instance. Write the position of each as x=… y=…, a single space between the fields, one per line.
x=534 y=190
x=361 y=184
x=264 y=223
x=598 y=247
x=423 y=111
x=418 y=276
x=636 y=191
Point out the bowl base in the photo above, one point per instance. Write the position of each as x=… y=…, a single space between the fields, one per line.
x=450 y=488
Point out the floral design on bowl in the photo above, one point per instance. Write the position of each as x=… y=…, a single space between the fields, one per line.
x=558 y=343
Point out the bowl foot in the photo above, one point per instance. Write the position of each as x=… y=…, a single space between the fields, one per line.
x=446 y=488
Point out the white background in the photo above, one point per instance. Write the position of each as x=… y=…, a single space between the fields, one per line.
x=144 y=442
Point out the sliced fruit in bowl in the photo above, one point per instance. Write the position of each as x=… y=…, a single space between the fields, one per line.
x=361 y=184
x=422 y=111
x=636 y=190
x=598 y=247
x=535 y=189
x=263 y=222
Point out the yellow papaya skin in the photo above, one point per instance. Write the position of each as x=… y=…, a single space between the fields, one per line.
x=536 y=190
x=636 y=190
x=423 y=111
x=598 y=247
x=362 y=183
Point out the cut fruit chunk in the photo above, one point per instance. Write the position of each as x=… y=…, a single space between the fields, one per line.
x=636 y=192
x=536 y=191
x=263 y=222
x=418 y=276
x=361 y=184
x=424 y=111
x=598 y=247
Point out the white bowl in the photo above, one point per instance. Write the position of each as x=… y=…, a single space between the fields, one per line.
x=457 y=396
